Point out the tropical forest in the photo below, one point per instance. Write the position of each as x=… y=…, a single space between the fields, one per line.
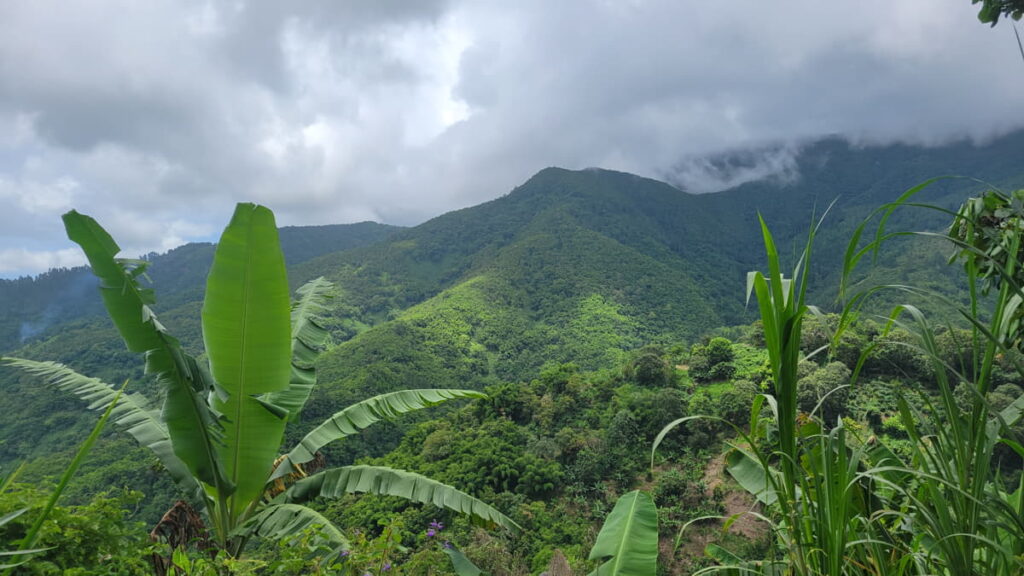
x=812 y=370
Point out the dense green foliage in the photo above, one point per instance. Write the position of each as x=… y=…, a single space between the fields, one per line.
x=569 y=267
x=936 y=501
x=557 y=450
x=220 y=428
x=992 y=10
x=589 y=305
x=92 y=538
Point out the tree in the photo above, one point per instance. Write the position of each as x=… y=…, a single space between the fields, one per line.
x=734 y=403
x=825 y=389
x=992 y=10
x=649 y=368
x=898 y=354
x=712 y=362
x=720 y=350
x=221 y=426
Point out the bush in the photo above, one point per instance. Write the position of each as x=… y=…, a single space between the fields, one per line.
x=95 y=538
x=682 y=495
x=649 y=368
x=829 y=387
x=712 y=362
x=734 y=404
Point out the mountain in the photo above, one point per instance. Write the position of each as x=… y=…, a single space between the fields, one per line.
x=31 y=305
x=583 y=265
x=571 y=266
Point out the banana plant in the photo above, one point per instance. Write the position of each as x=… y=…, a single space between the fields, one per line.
x=628 y=542
x=220 y=429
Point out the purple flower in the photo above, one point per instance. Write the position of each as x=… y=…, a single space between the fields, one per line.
x=386 y=567
x=447 y=545
x=437 y=525
x=345 y=553
x=431 y=533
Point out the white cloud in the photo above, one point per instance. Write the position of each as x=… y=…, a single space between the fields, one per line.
x=35 y=198
x=713 y=173
x=149 y=115
x=20 y=262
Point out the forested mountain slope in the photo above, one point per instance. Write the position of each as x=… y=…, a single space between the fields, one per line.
x=571 y=266
x=31 y=306
x=582 y=265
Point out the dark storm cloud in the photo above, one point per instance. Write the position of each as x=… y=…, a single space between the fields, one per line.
x=157 y=116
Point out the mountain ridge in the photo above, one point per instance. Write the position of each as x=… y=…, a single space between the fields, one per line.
x=571 y=266
x=179 y=274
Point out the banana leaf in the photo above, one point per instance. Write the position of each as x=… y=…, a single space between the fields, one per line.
x=362 y=414
x=132 y=413
x=337 y=482
x=628 y=541
x=308 y=339
x=246 y=331
x=193 y=427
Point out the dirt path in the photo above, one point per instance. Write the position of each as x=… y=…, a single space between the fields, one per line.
x=736 y=501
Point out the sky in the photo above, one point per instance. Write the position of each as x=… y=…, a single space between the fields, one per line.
x=157 y=117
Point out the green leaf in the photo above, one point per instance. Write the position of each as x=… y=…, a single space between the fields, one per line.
x=246 y=329
x=365 y=413
x=126 y=302
x=308 y=339
x=283 y=520
x=751 y=475
x=192 y=426
x=722 y=556
x=14 y=554
x=337 y=482
x=628 y=541
x=132 y=413
x=8 y=479
x=1013 y=412
x=665 y=431
x=463 y=566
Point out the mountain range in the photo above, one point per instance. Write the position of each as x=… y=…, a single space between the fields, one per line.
x=571 y=266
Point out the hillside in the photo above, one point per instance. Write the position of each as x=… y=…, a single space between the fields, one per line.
x=571 y=266
x=583 y=265
x=31 y=306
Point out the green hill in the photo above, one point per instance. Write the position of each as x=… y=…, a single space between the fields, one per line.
x=33 y=308
x=571 y=266
x=581 y=266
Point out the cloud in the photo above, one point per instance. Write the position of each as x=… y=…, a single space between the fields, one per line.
x=156 y=117
x=19 y=261
x=716 y=172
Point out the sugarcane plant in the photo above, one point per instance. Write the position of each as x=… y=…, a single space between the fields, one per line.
x=798 y=466
x=965 y=519
x=220 y=429
x=837 y=503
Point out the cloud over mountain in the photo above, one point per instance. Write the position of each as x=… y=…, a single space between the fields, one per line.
x=156 y=117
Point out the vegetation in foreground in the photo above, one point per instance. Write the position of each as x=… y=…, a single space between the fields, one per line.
x=220 y=428
x=946 y=501
x=557 y=451
x=848 y=489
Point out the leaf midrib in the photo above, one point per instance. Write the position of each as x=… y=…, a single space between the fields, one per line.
x=625 y=534
x=237 y=449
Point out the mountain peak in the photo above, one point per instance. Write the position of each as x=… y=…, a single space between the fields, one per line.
x=592 y=182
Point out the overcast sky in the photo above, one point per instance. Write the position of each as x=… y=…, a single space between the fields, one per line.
x=156 y=117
